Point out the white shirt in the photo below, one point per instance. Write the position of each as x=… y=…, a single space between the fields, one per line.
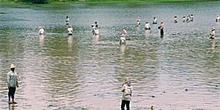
x=70 y=30
x=67 y=19
x=12 y=79
x=41 y=31
x=155 y=20
x=127 y=92
x=147 y=25
x=213 y=33
x=218 y=18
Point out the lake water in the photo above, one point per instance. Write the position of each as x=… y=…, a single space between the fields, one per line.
x=180 y=71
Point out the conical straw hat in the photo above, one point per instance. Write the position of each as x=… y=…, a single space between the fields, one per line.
x=12 y=66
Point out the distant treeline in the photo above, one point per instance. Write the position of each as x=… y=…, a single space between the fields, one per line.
x=38 y=1
x=49 y=1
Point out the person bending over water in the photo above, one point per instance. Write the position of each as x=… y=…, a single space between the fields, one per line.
x=188 y=19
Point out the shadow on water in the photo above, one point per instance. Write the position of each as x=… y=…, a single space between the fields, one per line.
x=85 y=71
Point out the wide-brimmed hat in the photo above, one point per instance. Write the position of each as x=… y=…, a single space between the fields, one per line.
x=12 y=66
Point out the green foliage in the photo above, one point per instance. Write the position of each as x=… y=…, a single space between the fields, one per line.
x=94 y=1
x=35 y=1
x=40 y=1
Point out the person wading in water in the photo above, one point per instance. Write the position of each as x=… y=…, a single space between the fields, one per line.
x=12 y=84
x=127 y=93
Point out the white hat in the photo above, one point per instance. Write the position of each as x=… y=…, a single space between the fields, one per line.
x=12 y=66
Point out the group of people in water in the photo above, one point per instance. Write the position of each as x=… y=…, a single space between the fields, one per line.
x=161 y=26
x=148 y=27
x=187 y=19
x=126 y=87
x=69 y=26
x=95 y=28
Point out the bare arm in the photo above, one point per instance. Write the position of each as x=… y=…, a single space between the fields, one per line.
x=8 y=80
x=123 y=88
x=17 y=84
x=17 y=81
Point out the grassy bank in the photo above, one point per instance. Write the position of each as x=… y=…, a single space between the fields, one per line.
x=123 y=1
x=96 y=1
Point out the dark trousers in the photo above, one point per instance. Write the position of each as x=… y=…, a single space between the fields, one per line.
x=123 y=103
x=161 y=32
x=11 y=92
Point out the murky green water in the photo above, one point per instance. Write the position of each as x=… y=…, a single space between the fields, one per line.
x=179 y=72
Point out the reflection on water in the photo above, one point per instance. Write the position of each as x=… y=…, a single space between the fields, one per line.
x=70 y=40
x=41 y=39
x=213 y=43
x=122 y=48
x=95 y=39
x=147 y=33
x=177 y=72
x=138 y=29
x=11 y=107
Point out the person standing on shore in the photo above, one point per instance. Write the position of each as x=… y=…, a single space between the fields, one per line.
x=12 y=82
x=127 y=93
